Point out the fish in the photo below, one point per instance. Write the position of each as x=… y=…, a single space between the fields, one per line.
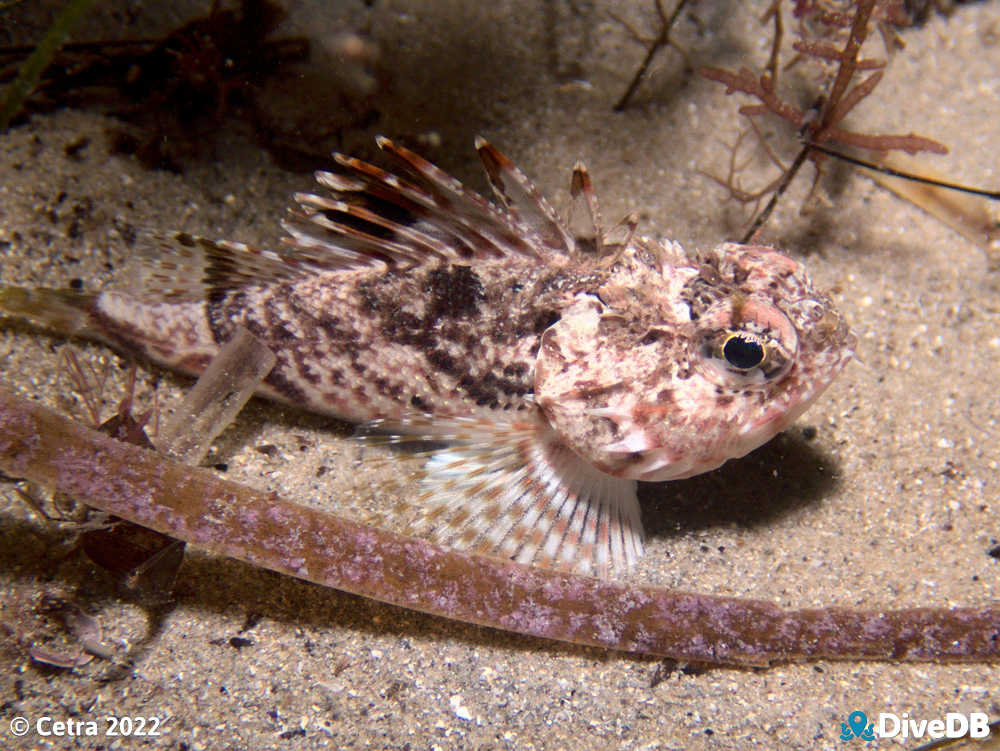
x=553 y=363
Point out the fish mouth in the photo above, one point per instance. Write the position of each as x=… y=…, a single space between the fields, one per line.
x=660 y=465
x=779 y=416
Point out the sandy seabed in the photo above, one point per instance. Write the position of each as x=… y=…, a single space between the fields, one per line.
x=884 y=495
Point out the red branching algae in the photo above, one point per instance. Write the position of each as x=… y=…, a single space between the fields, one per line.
x=234 y=520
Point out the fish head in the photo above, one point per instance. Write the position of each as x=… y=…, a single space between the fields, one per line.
x=680 y=368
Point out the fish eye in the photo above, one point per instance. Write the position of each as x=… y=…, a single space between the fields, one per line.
x=749 y=357
x=749 y=346
x=743 y=351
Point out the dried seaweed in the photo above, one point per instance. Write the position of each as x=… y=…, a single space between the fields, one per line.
x=31 y=71
x=830 y=33
x=960 y=207
x=144 y=560
x=177 y=89
x=831 y=36
x=234 y=520
x=653 y=46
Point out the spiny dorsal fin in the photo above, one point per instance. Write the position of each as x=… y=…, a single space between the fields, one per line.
x=373 y=216
x=522 y=199
x=585 y=213
x=370 y=217
x=512 y=489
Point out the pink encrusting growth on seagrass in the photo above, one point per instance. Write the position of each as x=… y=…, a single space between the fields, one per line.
x=260 y=528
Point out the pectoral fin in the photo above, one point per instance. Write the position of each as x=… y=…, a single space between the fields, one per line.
x=512 y=489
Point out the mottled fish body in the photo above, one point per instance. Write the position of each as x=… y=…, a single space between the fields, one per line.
x=558 y=366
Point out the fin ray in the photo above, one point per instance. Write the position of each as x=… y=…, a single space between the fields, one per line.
x=512 y=489
x=375 y=216
x=178 y=267
x=369 y=217
x=522 y=199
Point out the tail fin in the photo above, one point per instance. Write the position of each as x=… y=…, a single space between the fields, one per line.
x=58 y=310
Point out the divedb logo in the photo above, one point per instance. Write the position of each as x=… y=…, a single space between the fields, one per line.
x=891 y=725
